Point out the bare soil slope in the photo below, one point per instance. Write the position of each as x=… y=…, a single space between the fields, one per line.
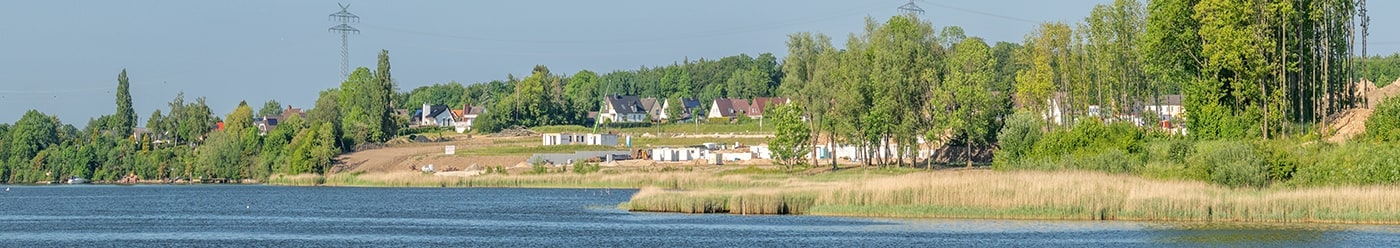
x=411 y=157
x=1350 y=123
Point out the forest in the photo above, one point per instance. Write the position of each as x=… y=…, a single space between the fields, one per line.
x=1255 y=75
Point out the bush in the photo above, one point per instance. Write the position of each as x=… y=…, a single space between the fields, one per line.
x=1017 y=138
x=1352 y=164
x=1230 y=163
x=585 y=168
x=1384 y=124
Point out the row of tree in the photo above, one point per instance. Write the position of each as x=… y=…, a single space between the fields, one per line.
x=188 y=140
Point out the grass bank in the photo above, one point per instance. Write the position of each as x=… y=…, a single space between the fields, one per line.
x=1035 y=195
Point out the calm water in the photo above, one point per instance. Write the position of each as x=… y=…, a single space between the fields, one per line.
x=260 y=216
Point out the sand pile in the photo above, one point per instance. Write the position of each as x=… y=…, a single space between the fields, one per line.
x=1350 y=123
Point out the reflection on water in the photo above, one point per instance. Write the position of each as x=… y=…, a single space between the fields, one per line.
x=241 y=216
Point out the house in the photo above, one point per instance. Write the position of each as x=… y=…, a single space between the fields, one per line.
x=1055 y=109
x=466 y=116
x=265 y=124
x=554 y=139
x=760 y=104
x=728 y=108
x=619 y=109
x=652 y=107
x=433 y=115
x=1166 y=107
x=688 y=107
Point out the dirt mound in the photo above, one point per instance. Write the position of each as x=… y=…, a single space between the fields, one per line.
x=1374 y=97
x=411 y=156
x=1351 y=123
x=1348 y=124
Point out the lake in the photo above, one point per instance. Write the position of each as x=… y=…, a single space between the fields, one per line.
x=261 y=216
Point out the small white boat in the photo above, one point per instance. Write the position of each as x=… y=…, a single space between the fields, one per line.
x=76 y=180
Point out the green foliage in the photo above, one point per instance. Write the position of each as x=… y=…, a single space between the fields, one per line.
x=240 y=119
x=271 y=108
x=1230 y=163
x=1352 y=164
x=791 y=138
x=583 y=168
x=451 y=94
x=1017 y=138
x=963 y=103
x=1383 y=70
x=125 y=116
x=1384 y=124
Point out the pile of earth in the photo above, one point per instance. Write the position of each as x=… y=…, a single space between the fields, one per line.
x=1352 y=122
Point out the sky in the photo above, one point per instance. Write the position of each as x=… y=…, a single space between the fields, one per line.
x=61 y=57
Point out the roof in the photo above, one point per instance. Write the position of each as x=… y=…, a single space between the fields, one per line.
x=624 y=104
x=1170 y=100
x=691 y=103
x=729 y=107
x=472 y=110
x=762 y=103
x=651 y=105
x=435 y=110
x=287 y=113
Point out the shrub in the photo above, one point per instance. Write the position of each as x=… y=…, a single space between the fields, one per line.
x=1384 y=124
x=1230 y=163
x=1352 y=164
x=585 y=168
x=1017 y=138
x=538 y=168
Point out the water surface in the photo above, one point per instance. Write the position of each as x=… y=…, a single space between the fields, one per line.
x=260 y=216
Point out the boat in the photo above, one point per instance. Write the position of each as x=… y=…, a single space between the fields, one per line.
x=76 y=180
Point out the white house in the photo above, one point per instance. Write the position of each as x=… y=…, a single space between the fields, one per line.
x=728 y=108
x=553 y=139
x=435 y=115
x=466 y=117
x=688 y=107
x=619 y=109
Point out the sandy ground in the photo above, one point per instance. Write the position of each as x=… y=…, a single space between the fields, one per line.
x=410 y=157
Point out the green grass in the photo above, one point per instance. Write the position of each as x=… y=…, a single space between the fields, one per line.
x=530 y=150
x=668 y=141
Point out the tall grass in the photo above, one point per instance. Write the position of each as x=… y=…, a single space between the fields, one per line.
x=1044 y=195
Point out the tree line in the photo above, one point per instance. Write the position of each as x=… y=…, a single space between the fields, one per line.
x=186 y=139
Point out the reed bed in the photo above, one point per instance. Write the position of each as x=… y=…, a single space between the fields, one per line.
x=653 y=199
x=1038 y=195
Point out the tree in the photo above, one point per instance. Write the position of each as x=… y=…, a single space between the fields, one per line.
x=1036 y=84
x=126 y=116
x=271 y=108
x=674 y=109
x=240 y=119
x=359 y=108
x=583 y=91
x=790 y=140
x=383 y=98
x=967 y=109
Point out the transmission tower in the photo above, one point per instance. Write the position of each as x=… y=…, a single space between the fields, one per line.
x=911 y=9
x=344 y=29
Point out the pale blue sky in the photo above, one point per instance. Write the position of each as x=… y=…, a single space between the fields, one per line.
x=62 y=56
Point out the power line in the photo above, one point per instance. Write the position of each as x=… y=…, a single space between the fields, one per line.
x=977 y=11
x=706 y=34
